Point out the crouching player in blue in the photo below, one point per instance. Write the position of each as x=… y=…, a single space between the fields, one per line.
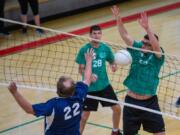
x=62 y=113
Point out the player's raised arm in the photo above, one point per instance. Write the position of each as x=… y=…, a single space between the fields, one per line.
x=143 y=21
x=88 y=68
x=25 y=105
x=122 y=30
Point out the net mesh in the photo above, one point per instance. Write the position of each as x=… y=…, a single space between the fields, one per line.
x=37 y=61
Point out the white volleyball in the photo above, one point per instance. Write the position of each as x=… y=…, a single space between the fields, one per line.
x=123 y=57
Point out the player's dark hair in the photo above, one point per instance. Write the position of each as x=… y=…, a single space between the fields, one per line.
x=147 y=37
x=63 y=91
x=94 y=28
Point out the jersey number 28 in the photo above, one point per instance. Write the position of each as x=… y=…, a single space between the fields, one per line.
x=74 y=109
x=97 y=63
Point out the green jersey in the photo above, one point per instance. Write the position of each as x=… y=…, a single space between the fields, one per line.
x=143 y=75
x=101 y=54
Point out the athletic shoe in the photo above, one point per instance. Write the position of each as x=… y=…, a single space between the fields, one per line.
x=39 y=31
x=4 y=33
x=24 y=30
x=116 y=133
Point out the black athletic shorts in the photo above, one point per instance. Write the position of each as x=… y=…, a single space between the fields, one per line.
x=92 y=104
x=133 y=118
x=33 y=4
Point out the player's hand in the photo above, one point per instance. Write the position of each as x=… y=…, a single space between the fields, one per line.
x=114 y=67
x=143 y=21
x=115 y=11
x=12 y=87
x=94 y=78
x=89 y=55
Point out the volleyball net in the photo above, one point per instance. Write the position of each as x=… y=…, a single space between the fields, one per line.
x=37 y=61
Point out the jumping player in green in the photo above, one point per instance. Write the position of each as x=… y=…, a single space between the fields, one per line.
x=142 y=80
x=100 y=85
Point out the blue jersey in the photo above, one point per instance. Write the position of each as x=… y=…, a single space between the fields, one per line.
x=62 y=115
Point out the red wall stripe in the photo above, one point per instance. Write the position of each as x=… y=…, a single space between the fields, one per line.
x=84 y=30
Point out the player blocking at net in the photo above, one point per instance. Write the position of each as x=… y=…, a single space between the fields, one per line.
x=142 y=80
x=100 y=85
x=65 y=110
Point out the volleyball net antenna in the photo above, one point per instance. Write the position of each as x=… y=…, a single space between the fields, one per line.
x=37 y=61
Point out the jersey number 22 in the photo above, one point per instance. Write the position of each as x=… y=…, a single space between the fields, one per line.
x=74 y=109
